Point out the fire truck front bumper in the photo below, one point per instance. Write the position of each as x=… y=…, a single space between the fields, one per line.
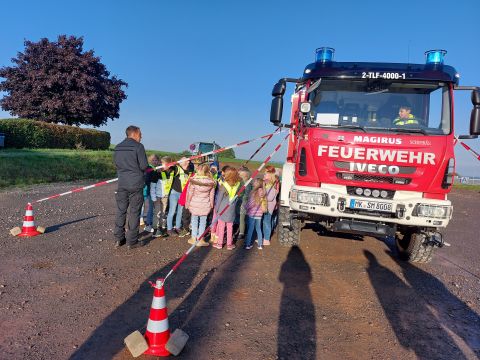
x=407 y=208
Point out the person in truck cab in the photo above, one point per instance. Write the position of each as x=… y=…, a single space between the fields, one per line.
x=405 y=117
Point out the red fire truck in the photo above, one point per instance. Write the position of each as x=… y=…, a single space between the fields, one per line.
x=371 y=150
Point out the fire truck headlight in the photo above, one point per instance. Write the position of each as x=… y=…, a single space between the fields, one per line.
x=305 y=107
x=432 y=211
x=308 y=197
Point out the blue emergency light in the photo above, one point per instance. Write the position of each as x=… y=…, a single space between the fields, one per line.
x=435 y=57
x=324 y=54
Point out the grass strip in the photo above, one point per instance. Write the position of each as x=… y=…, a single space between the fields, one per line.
x=26 y=167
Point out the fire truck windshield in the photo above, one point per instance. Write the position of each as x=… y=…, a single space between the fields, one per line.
x=384 y=106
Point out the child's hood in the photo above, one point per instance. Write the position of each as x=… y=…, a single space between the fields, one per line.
x=202 y=181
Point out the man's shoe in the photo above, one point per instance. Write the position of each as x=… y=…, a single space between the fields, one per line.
x=136 y=245
x=160 y=233
x=148 y=228
x=119 y=243
x=163 y=233
x=241 y=236
x=183 y=233
x=266 y=242
x=203 y=243
x=192 y=240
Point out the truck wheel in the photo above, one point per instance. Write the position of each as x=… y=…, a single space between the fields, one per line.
x=288 y=236
x=414 y=248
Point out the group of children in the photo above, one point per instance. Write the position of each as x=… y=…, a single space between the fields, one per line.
x=197 y=195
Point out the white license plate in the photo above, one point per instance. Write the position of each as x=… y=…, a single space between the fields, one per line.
x=371 y=205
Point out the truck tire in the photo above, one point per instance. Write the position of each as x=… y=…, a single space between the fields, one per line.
x=414 y=248
x=288 y=236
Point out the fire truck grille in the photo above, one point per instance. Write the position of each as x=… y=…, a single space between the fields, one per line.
x=373 y=178
x=385 y=194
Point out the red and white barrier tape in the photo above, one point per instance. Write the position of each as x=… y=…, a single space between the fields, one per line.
x=468 y=148
x=158 y=167
x=261 y=146
x=477 y=155
x=239 y=192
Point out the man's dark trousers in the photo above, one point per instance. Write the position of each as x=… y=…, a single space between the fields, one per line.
x=131 y=201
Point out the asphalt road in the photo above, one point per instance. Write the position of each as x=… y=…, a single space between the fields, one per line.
x=68 y=294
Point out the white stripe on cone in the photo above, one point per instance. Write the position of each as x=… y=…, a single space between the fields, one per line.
x=28 y=224
x=157 y=326
x=159 y=303
x=29 y=213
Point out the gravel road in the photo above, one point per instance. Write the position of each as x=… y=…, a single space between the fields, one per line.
x=68 y=294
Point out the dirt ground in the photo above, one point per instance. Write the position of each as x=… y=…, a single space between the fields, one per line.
x=68 y=294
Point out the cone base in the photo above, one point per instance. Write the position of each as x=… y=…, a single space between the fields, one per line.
x=29 y=233
x=157 y=351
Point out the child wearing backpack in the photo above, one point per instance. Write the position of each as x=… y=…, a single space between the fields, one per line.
x=200 y=201
x=255 y=208
x=227 y=190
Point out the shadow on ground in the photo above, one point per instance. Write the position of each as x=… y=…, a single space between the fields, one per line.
x=199 y=312
x=435 y=324
x=296 y=324
x=200 y=318
x=197 y=315
x=322 y=231
x=107 y=339
x=54 y=228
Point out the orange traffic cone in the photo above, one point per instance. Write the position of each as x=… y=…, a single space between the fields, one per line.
x=28 y=227
x=158 y=332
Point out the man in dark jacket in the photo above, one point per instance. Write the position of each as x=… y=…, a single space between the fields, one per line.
x=131 y=162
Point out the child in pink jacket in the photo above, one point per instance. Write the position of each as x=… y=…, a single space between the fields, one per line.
x=200 y=200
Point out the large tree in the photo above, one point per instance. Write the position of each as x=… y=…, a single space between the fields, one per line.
x=57 y=82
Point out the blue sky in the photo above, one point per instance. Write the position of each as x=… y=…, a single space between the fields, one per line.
x=204 y=70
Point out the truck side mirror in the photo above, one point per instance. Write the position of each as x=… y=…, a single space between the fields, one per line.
x=279 y=89
x=277 y=103
x=475 y=116
x=276 y=110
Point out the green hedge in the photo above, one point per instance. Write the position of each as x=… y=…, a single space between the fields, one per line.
x=22 y=133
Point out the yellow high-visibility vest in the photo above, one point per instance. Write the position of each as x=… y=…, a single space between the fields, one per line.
x=169 y=181
x=231 y=190
x=411 y=120
x=183 y=177
x=163 y=174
